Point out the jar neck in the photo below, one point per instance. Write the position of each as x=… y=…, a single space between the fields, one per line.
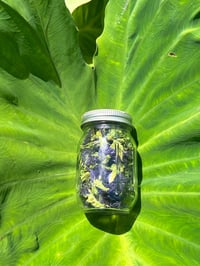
x=106 y=124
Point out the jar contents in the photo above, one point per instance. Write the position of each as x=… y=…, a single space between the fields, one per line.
x=107 y=169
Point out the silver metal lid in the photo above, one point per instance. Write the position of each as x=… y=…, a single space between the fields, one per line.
x=111 y=115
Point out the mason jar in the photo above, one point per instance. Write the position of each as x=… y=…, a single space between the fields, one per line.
x=106 y=164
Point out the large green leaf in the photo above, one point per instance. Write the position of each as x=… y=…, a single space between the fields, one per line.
x=151 y=51
x=148 y=65
x=39 y=130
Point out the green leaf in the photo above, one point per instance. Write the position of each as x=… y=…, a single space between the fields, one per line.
x=19 y=39
x=151 y=51
x=89 y=19
x=39 y=130
x=148 y=65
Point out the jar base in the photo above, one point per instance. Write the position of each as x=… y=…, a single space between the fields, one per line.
x=106 y=211
x=110 y=221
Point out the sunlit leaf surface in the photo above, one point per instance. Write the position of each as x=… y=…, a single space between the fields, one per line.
x=39 y=130
x=151 y=51
x=73 y=4
x=148 y=65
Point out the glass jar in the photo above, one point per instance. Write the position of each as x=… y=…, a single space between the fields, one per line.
x=106 y=165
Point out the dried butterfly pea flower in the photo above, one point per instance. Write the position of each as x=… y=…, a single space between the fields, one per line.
x=106 y=168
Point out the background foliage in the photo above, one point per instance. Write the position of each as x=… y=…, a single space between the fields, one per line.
x=148 y=65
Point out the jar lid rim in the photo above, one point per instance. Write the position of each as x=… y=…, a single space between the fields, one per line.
x=112 y=115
